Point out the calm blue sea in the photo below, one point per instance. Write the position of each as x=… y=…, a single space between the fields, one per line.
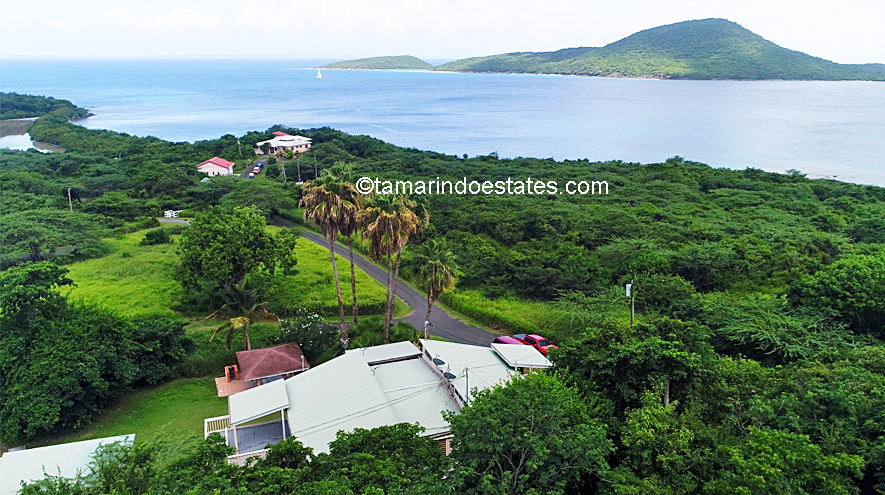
x=825 y=129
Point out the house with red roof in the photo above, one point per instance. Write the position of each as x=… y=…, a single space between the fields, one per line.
x=216 y=166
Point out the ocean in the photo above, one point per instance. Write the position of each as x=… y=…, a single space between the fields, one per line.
x=824 y=129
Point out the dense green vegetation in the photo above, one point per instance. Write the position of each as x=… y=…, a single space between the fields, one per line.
x=400 y=62
x=18 y=106
x=755 y=364
x=701 y=49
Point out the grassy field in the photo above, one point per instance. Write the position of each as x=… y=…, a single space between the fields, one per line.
x=174 y=412
x=132 y=280
x=138 y=280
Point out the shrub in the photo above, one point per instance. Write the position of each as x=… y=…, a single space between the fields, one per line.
x=157 y=236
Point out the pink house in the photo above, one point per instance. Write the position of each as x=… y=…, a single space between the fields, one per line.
x=283 y=141
x=216 y=166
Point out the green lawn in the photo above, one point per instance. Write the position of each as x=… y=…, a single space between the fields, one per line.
x=132 y=280
x=138 y=280
x=173 y=412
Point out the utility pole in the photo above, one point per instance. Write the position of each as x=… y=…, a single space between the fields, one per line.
x=631 y=295
x=467 y=385
x=240 y=148
x=316 y=174
x=70 y=203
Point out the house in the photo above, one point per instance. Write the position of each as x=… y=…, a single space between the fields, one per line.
x=216 y=166
x=281 y=142
x=261 y=366
x=65 y=460
x=364 y=388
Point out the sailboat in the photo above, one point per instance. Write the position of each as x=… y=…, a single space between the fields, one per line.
x=319 y=74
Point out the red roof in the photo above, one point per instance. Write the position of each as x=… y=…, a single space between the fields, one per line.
x=280 y=133
x=271 y=361
x=221 y=162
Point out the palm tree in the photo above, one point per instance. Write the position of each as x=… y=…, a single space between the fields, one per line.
x=341 y=174
x=241 y=309
x=434 y=266
x=331 y=204
x=388 y=222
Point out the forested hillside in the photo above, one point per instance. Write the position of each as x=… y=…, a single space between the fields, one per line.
x=400 y=62
x=755 y=364
x=701 y=49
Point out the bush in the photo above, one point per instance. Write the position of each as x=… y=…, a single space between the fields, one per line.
x=316 y=338
x=370 y=332
x=157 y=236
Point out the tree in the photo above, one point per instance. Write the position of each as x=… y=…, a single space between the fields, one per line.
x=241 y=308
x=849 y=290
x=266 y=195
x=222 y=247
x=434 y=266
x=341 y=177
x=774 y=462
x=389 y=221
x=387 y=459
x=332 y=204
x=532 y=436
x=40 y=234
x=668 y=357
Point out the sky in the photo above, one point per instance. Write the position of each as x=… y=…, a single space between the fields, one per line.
x=845 y=31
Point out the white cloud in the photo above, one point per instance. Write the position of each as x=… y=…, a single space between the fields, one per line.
x=182 y=19
x=118 y=16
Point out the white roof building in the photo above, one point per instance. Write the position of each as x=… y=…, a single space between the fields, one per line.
x=283 y=141
x=66 y=460
x=366 y=388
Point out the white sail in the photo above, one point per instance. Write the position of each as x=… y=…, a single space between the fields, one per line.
x=319 y=74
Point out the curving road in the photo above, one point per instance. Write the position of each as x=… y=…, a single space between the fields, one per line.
x=441 y=323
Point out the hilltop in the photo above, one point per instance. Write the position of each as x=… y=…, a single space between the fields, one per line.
x=399 y=62
x=698 y=49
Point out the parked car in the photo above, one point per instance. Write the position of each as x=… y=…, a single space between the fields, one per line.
x=251 y=175
x=540 y=343
x=256 y=170
x=507 y=340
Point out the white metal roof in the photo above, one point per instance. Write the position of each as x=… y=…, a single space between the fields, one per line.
x=521 y=356
x=415 y=393
x=67 y=459
x=341 y=394
x=476 y=367
x=257 y=402
x=388 y=352
x=286 y=141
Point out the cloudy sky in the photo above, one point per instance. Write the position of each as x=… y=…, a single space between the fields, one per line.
x=847 y=31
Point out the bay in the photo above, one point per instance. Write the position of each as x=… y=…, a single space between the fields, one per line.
x=824 y=129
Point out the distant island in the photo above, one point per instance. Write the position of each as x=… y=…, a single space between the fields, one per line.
x=399 y=62
x=699 y=49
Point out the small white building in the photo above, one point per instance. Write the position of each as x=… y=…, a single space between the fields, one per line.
x=283 y=141
x=216 y=166
x=66 y=460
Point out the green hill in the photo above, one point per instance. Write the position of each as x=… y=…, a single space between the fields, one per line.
x=700 y=49
x=400 y=62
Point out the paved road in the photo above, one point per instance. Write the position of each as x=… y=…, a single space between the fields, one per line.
x=441 y=324
x=246 y=172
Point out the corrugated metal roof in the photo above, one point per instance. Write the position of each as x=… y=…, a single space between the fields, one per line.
x=388 y=352
x=477 y=367
x=67 y=459
x=521 y=356
x=271 y=361
x=257 y=402
x=341 y=394
x=415 y=393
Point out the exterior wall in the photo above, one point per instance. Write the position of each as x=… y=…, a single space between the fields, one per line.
x=212 y=170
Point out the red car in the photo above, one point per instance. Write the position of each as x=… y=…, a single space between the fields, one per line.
x=536 y=341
